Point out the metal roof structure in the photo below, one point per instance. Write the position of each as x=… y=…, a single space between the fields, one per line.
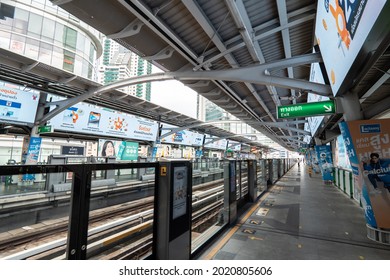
x=246 y=56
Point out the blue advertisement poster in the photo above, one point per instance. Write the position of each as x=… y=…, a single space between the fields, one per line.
x=368 y=147
x=32 y=155
x=324 y=156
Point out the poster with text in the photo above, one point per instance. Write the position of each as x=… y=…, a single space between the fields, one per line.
x=18 y=106
x=90 y=119
x=368 y=147
x=324 y=156
x=341 y=30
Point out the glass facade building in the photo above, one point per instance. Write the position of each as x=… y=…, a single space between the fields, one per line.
x=41 y=31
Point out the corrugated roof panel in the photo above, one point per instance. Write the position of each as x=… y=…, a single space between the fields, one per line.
x=260 y=12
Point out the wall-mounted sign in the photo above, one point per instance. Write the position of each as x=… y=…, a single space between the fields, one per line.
x=17 y=106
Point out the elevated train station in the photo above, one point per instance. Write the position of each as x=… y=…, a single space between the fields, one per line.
x=310 y=76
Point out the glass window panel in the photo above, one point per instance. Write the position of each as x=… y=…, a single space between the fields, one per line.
x=32 y=48
x=68 y=61
x=81 y=42
x=70 y=38
x=35 y=25
x=6 y=23
x=20 y=26
x=48 y=29
x=78 y=65
x=45 y=53
x=59 y=34
x=18 y=43
x=5 y=39
x=57 y=57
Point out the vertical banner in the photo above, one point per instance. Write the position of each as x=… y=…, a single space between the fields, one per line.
x=324 y=156
x=368 y=148
x=31 y=155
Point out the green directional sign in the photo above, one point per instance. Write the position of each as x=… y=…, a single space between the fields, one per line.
x=44 y=129
x=306 y=109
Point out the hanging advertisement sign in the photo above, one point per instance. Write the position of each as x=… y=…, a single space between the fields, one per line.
x=183 y=137
x=341 y=30
x=368 y=147
x=122 y=150
x=17 y=106
x=86 y=118
x=324 y=156
x=220 y=144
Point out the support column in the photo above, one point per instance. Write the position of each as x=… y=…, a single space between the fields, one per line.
x=351 y=107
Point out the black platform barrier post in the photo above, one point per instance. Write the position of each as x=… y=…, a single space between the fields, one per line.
x=79 y=215
x=173 y=211
x=230 y=189
x=252 y=180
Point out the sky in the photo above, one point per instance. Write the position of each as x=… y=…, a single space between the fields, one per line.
x=174 y=95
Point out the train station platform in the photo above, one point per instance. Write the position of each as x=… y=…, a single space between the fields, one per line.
x=299 y=218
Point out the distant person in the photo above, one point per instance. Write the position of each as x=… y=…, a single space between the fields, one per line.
x=108 y=149
x=377 y=171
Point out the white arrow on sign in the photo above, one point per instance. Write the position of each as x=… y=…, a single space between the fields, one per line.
x=328 y=108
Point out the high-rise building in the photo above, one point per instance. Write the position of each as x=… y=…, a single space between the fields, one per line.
x=118 y=63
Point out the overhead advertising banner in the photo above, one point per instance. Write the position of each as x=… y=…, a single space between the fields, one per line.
x=86 y=118
x=341 y=29
x=368 y=147
x=183 y=137
x=220 y=144
x=315 y=76
x=324 y=156
x=122 y=150
x=17 y=106
x=234 y=146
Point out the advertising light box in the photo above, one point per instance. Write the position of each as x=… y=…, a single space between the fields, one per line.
x=183 y=137
x=220 y=144
x=18 y=106
x=341 y=30
x=89 y=119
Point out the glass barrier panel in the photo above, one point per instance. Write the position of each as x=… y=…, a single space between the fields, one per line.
x=34 y=210
x=121 y=215
x=209 y=214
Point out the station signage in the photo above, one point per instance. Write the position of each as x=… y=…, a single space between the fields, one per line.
x=306 y=109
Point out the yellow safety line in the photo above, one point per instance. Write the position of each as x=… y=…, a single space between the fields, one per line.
x=224 y=240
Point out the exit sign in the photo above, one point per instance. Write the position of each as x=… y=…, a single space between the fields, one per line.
x=306 y=109
x=44 y=129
